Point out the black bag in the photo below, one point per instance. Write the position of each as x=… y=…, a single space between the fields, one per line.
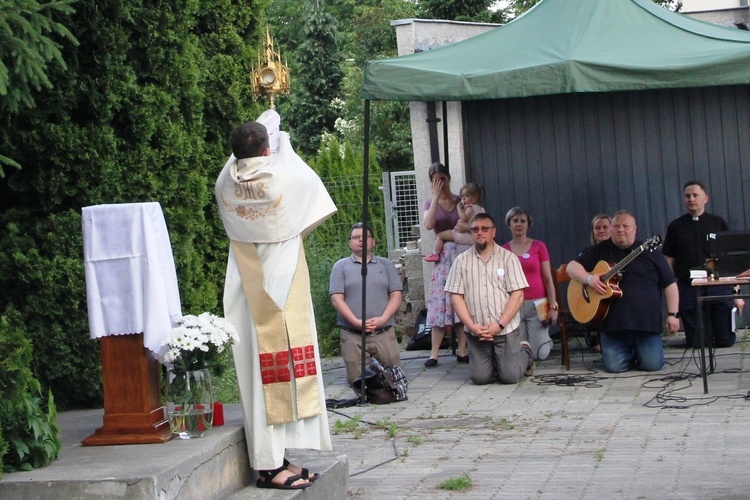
x=422 y=338
x=383 y=384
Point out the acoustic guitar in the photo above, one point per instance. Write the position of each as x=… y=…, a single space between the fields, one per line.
x=589 y=306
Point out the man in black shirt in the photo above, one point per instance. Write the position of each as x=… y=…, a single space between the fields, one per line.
x=631 y=330
x=686 y=246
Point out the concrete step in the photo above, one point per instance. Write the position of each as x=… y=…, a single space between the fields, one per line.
x=215 y=466
x=332 y=484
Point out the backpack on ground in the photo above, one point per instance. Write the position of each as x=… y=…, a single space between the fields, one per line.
x=383 y=384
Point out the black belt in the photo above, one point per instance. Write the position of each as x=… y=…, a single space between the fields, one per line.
x=359 y=332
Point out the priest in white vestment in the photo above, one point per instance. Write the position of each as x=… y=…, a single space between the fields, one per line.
x=269 y=199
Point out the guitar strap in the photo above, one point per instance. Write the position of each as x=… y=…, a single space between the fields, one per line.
x=285 y=342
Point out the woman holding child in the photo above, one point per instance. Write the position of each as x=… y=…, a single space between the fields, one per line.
x=441 y=214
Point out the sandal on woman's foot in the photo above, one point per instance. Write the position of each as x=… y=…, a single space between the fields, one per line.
x=304 y=472
x=267 y=476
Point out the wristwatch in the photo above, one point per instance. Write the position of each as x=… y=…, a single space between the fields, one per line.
x=502 y=326
x=676 y=315
x=554 y=306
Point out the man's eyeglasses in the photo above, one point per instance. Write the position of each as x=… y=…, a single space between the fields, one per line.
x=358 y=238
x=483 y=229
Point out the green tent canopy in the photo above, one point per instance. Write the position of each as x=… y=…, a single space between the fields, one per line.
x=566 y=46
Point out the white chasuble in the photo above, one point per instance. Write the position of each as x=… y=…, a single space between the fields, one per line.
x=267 y=204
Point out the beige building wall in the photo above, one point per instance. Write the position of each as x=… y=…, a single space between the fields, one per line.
x=705 y=5
x=420 y=35
x=725 y=12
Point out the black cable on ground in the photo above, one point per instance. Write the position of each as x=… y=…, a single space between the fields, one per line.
x=396 y=457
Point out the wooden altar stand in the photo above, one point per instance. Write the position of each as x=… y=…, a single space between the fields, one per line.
x=133 y=413
x=131 y=285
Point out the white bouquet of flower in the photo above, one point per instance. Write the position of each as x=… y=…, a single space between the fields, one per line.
x=196 y=341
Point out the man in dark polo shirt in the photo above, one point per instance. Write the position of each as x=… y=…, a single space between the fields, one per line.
x=631 y=330
x=383 y=300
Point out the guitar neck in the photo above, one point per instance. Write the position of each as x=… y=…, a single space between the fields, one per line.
x=624 y=262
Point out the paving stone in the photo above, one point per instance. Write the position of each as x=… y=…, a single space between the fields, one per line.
x=575 y=434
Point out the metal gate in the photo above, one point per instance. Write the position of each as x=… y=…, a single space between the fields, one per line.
x=402 y=209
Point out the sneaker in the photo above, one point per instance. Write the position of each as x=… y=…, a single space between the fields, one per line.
x=433 y=257
x=430 y=363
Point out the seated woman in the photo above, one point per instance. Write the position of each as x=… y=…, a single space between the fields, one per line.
x=601 y=228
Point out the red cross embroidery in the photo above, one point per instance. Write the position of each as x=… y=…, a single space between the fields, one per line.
x=274 y=366
x=304 y=361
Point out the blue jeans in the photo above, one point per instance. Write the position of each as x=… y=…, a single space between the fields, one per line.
x=627 y=349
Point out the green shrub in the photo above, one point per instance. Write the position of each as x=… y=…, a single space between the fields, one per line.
x=29 y=434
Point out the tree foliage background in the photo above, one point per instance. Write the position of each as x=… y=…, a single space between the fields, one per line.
x=28 y=47
x=311 y=112
x=141 y=113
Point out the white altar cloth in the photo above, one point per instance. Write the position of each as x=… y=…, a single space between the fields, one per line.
x=131 y=283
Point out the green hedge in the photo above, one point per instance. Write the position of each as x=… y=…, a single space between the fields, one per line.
x=29 y=435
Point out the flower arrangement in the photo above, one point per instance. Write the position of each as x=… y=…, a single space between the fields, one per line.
x=196 y=342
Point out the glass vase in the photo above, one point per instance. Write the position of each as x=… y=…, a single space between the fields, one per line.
x=189 y=402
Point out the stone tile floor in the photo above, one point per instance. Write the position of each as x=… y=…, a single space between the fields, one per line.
x=575 y=434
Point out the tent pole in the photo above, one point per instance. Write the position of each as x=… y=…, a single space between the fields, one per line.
x=445 y=135
x=365 y=241
x=447 y=165
x=432 y=121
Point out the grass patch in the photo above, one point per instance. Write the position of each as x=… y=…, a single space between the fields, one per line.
x=351 y=426
x=414 y=439
x=389 y=426
x=460 y=483
x=225 y=386
x=500 y=423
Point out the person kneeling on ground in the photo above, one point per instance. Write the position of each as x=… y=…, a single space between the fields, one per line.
x=486 y=284
x=383 y=300
x=631 y=330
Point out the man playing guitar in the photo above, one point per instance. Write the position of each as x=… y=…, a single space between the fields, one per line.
x=631 y=329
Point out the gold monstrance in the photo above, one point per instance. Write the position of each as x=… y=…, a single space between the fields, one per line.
x=271 y=76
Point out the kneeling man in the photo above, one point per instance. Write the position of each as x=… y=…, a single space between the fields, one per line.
x=631 y=330
x=486 y=284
